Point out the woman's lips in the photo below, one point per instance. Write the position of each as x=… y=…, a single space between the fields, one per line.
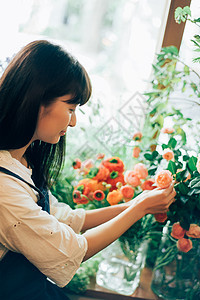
x=63 y=132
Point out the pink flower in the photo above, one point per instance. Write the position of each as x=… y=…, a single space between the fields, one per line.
x=168 y=154
x=87 y=165
x=167 y=130
x=136 y=152
x=184 y=245
x=131 y=178
x=164 y=179
x=140 y=170
x=194 y=231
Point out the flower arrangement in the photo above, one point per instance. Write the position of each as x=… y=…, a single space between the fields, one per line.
x=184 y=213
x=177 y=265
x=106 y=182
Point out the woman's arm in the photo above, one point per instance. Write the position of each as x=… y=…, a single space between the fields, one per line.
x=99 y=216
x=155 y=201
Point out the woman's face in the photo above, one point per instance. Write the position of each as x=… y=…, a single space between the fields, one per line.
x=54 y=119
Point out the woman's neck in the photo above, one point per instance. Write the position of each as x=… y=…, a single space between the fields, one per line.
x=19 y=155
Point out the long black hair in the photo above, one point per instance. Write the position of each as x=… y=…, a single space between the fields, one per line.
x=37 y=75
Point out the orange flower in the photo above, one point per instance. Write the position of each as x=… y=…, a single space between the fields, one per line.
x=168 y=154
x=98 y=195
x=79 y=198
x=113 y=164
x=84 y=200
x=194 y=231
x=148 y=184
x=140 y=170
x=76 y=194
x=127 y=192
x=102 y=174
x=137 y=136
x=131 y=178
x=184 y=245
x=92 y=184
x=114 y=197
x=100 y=156
x=163 y=179
x=161 y=218
x=76 y=163
x=198 y=164
x=177 y=231
x=114 y=178
x=136 y=152
x=167 y=130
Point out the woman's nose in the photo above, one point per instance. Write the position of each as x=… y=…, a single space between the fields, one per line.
x=72 y=122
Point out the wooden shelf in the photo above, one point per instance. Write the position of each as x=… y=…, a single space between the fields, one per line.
x=143 y=291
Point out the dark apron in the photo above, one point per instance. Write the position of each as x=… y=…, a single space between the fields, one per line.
x=20 y=279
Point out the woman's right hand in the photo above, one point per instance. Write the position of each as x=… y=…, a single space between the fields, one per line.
x=157 y=200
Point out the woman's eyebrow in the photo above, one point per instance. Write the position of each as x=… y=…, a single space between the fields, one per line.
x=69 y=100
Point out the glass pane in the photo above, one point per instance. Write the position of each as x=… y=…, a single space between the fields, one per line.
x=115 y=40
x=184 y=101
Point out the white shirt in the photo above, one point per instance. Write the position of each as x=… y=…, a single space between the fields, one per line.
x=49 y=241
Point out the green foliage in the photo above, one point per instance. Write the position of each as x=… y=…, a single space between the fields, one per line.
x=79 y=283
x=181 y=14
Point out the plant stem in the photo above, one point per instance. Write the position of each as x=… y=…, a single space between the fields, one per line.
x=188 y=67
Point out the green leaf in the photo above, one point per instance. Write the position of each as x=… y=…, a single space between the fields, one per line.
x=197 y=20
x=184 y=85
x=93 y=172
x=183 y=189
x=178 y=12
x=192 y=163
x=172 y=143
x=155 y=154
x=193 y=86
x=185 y=224
x=152 y=170
x=186 y=70
x=171 y=49
x=196 y=60
x=197 y=37
x=185 y=157
x=172 y=167
x=164 y=146
x=187 y=10
x=148 y=156
x=180 y=175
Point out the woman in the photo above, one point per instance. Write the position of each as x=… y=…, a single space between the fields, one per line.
x=39 y=237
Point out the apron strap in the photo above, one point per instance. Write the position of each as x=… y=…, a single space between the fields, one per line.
x=43 y=201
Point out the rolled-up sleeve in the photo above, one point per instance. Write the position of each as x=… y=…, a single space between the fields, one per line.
x=72 y=217
x=52 y=246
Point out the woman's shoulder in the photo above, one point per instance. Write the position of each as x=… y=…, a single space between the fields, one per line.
x=13 y=165
x=11 y=186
